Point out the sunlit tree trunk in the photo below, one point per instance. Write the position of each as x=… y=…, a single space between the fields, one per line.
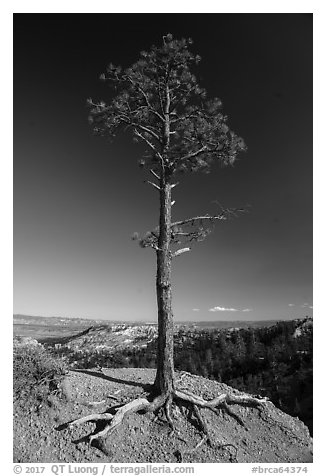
x=164 y=381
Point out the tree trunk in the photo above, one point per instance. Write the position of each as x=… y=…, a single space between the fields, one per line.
x=164 y=381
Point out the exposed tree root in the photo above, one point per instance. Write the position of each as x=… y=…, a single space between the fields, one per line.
x=91 y=417
x=203 y=426
x=167 y=407
x=140 y=404
x=228 y=410
x=164 y=401
x=245 y=399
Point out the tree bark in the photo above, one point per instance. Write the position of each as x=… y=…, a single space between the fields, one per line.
x=164 y=381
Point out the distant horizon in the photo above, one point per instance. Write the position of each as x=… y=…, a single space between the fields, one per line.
x=154 y=321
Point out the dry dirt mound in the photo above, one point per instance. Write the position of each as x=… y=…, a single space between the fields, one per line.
x=268 y=436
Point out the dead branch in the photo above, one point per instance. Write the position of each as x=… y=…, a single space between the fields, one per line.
x=142 y=137
x=153 y=184
x=154 y=174
x=179 y=252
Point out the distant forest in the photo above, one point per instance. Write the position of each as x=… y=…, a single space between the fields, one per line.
x=270 y=361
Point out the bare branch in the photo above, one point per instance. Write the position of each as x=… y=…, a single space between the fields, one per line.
x=145 y=129
x=179 y=252
x=195 y=154
x=154 y=174
x=181 y=233
x=153 y=184
x=149 y=144
x=222 y=216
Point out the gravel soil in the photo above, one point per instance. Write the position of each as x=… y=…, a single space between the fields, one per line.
x=270 y=436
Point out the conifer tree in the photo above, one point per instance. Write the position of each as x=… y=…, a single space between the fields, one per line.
x=160 y=103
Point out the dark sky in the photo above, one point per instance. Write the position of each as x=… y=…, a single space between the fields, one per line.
x=78 y=199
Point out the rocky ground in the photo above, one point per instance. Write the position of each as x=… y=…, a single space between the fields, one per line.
x=269 y=436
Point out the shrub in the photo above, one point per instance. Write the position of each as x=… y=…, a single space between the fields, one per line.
x=36 y=374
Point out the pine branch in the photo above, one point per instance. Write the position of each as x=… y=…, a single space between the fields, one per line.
x=194 y=154
x=221 y=216
x=150 y=108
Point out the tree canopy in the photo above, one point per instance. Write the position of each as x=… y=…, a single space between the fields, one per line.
x=158 y=99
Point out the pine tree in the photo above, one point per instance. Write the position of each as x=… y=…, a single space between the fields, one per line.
x=159 y=102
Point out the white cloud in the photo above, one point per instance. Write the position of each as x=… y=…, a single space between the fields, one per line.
x=306 y=304
x=218 y=308
x=291 y=305
x=246 y=310
x=195 y=309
